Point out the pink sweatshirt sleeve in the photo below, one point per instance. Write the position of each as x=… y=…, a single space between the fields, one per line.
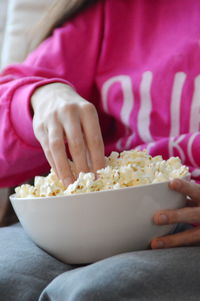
x=69 y=56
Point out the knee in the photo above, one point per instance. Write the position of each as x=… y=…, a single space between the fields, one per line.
x=76 y=292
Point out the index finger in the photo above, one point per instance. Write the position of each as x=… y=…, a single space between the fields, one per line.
x=187 y=188
x=93 y=136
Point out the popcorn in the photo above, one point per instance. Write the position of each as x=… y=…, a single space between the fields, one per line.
x=25 y=191
x=129 y=168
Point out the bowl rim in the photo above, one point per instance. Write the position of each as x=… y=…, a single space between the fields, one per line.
x=12 y=196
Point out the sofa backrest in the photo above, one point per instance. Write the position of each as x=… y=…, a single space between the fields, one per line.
x=21 y=16
x=3 y=14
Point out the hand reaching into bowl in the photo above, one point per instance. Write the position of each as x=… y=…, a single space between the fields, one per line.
x=190 y=215
x=61 y=116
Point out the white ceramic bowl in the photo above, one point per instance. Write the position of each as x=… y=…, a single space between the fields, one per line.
x=84 y=228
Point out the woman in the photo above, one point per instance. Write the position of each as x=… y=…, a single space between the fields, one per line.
x=135 y=63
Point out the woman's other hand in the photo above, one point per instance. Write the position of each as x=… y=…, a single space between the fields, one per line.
x=62 y=116
x=188 y=215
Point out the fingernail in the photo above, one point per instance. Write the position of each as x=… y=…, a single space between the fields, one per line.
x=160 y=244
x=163 y=219
x=67 y=181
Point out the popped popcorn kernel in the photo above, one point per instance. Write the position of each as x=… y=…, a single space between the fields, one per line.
x=129 y=168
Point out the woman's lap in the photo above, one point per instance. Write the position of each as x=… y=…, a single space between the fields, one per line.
x=151 y=275
x=171 y=274
x=25 y=269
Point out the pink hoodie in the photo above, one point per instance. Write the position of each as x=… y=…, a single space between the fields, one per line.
x=138 y=61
